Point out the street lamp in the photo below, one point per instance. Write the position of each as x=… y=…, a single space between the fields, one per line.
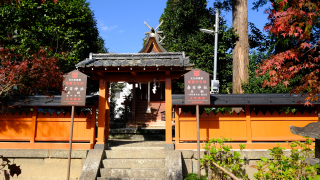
x=214 y=82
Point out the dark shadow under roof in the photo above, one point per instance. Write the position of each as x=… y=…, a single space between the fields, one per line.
x=249 y=99
x=178 y=99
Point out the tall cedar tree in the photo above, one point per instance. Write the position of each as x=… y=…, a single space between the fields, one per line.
x=298 y=23
x=181 y=22
x=241 y=49
x=68 y=27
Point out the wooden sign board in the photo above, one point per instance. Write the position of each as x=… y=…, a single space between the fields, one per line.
x=196 y=88
x=74 y=92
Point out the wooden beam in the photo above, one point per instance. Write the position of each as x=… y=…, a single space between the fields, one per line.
x=102 y=111
x=248 y=122
x=107 y=118
x=100 y=74
x=34 y=124
x=168 y=107
x=177 y=124
x=133 y=73
x=136 y=78
x=93 y=126
x=136 y=69
x=133 y=102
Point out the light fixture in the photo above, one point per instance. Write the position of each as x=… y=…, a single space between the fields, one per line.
x=207 y=31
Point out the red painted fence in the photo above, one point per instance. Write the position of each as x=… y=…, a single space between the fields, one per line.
x=45 y=131
x=259 y=131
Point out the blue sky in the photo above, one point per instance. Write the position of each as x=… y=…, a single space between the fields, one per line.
x=121 y=22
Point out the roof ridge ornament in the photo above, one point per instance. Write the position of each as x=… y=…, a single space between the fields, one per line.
x=154 y=33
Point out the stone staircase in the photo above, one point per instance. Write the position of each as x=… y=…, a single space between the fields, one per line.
x=134 y=160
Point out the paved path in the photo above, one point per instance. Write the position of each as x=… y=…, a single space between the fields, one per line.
x=130 y=144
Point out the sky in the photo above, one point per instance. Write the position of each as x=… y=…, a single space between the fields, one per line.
x=121 y=22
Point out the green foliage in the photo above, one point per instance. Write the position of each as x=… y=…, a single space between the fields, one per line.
x=291 y=167
x=219 y=153
x=193 y=176
x=181 y=22
x=67 y=26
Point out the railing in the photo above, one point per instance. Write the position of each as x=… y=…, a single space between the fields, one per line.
x=242 y=127
x=42 y=130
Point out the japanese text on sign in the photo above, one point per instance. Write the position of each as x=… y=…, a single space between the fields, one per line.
x=197 y=89
x=74 y=92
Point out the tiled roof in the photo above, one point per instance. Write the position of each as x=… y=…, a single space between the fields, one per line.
x=136 y=59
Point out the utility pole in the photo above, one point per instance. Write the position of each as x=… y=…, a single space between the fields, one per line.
x=214 y=82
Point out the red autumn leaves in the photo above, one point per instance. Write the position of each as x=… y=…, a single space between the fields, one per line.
x=294 y=20
x=35 y=74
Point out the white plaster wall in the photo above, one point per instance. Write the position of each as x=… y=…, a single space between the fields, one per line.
x=125 y=92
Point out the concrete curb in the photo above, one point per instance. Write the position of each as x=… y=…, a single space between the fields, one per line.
x=92 y=165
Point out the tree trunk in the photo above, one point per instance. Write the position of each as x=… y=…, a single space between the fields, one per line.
x=241 y=50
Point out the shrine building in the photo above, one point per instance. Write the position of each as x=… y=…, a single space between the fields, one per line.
x=150 y=71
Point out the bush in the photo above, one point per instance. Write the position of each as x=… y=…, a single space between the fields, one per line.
x=220 y=154
x=292 y=167
x=193 y=176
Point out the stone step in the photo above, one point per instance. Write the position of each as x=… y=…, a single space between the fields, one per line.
x=144 y=111
x=135 y=148
x=146 y=115
x=146 y=118
x=134 y=163
x=133 y=173
x=119 y=178
x=135 y=154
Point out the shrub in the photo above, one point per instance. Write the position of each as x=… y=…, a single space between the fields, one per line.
x=292 y=167
x=220 y=154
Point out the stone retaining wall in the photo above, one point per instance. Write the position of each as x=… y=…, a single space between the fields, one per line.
x=49 y=164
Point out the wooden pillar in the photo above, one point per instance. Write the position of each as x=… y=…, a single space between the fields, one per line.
x=125 y=112
x=177 y=124
x=93 y=126
x=318 y=111
x=133 y=103
x=248 y=122
x=168 y=100
x=148 y=108
x=107 y=119
x=102 y=111
x=34 y=124
x=317 y=141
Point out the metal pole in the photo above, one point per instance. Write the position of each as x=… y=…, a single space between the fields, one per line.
x=198 y=140
x=216 y=31
x=70 y=143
